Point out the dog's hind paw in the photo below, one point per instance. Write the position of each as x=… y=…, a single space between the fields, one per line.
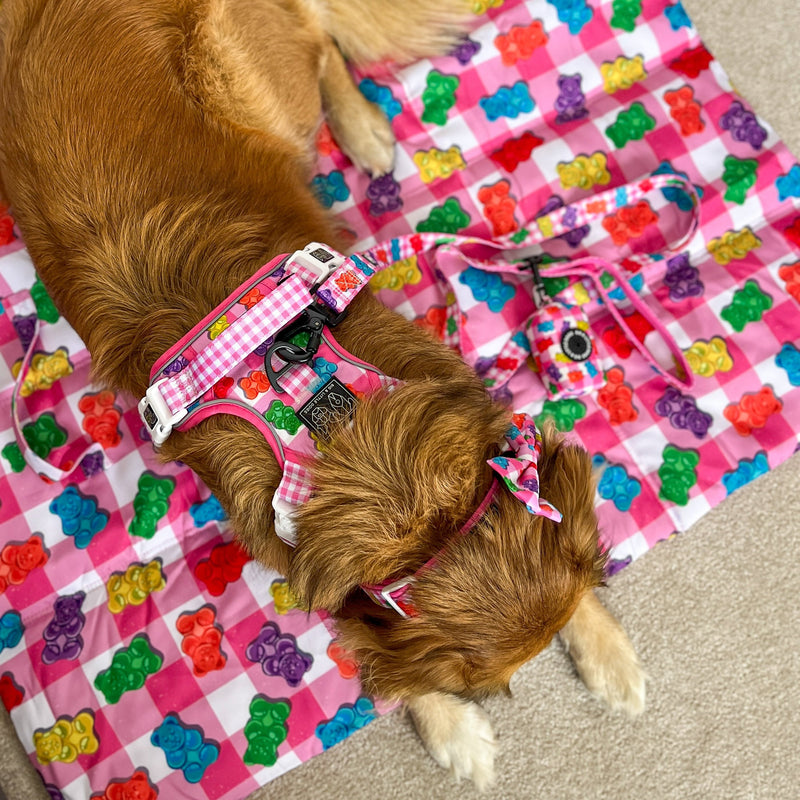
x=457 y=734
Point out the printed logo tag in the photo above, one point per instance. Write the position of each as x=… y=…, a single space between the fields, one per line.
x=332 y=405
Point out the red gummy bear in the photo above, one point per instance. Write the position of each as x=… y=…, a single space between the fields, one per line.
x=520 y=42
x=753 y=411
x=790 y=274
x=222 y=567
x=18 y=560
x=254 y=384
x=344 y=660
x=201 y=641
x=223 y=387
x=498 y=207
x=685 y=110
x=792 y=233
x=10 y=694
x=6 y=226
x=617 y=398
x=137 y=787
x=325 y=142
x=434 y=321
x=692 y=62
x=515 y=151
x=629 y=222
x=101 y=418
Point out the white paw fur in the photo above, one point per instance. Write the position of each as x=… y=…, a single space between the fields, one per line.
x=457 y=734
x=366 y=138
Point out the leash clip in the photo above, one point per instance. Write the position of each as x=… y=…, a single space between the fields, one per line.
x=312 y=321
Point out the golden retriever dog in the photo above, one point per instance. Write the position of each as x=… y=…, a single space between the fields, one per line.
x=156 y=153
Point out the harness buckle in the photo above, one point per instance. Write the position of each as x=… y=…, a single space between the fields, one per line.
x=312 y=321
x=155 y=414
x=318 y=259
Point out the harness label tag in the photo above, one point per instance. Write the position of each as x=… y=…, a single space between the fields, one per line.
x=332 y=405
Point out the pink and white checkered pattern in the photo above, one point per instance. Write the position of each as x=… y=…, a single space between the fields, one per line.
x=669 y=456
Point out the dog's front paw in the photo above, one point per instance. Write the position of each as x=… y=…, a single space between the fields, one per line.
x=457 y=734
x=604 y=656
x=366 y=138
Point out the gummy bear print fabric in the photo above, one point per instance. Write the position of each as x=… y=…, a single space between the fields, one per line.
x=141 y=651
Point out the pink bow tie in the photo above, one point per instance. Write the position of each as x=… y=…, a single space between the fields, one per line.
x=520 y=471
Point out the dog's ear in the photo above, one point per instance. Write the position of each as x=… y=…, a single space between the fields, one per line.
x=393 y=487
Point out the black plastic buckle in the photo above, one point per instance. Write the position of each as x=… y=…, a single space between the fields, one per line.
x=540 y=295
x=312 y=321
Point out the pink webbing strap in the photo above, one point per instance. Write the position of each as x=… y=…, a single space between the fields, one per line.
x=41 y=466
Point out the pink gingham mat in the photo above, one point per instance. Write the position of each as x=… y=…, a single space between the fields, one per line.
x=139 y=649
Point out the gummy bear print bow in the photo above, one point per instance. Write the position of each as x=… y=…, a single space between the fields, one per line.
x=520 y=471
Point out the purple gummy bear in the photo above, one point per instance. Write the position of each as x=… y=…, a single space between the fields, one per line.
x=683 y=413
x=174 y=367
x=465 y=50
x=54 y=792
x=25 y=328
x=261 y=350
x=743 y=125
x=278 y=654
x=384 y=195
x=92 y=463
x=483 y=365
x=571 y=100
x=682 y=279
x=62 y=634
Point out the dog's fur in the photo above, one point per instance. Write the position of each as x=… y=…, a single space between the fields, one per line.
x=156 y=153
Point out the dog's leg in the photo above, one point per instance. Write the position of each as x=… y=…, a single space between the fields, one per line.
x=360 y=127
x=604 y=656
x=457 y=733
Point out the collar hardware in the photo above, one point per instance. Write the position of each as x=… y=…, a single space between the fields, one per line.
x=155 y=414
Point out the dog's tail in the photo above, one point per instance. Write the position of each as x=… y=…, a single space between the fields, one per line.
x=397 y=30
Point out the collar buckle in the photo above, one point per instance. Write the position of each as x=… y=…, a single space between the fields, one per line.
x=317 y=261
x=155 y=414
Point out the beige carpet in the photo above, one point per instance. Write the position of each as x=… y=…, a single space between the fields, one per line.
x=714 y=613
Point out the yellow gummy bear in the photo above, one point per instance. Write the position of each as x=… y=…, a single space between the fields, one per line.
x=435 y=163
x=733 y=245
x=622 y=73
x=284 y=597
x=707 y=358
x=134 y=586
x=218 y=326
x=401 y=273
x=45 y=369
x=69 y=738
x=482 y=6
x=584 y=172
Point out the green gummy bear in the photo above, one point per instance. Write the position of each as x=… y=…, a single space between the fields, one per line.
x=739 y=176
x=748 y=305
x=130 y=667
x=45 y=309
x=283 y=417
x=631 y=125
x=150 y=504
x=564 y=413
x=13 y=455
x=625 y=13
x=452 y=325
x=677 y=474
x=265 y=730
x=438 y=97
x=555 y=285
x=447 y=218
x=44 y=435
x=519 y=236
x=301 y=339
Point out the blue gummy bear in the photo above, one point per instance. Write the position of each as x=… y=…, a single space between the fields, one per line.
x=789 y=185
x=79 y=516
x=208 y=510
x=323 y=368
x=677 y=16
x=674 y=194
x=508 y=102
x=185 y=748
x=11 y=629
x=348 y=719
x=330 y=188
x=521 y=340
x=574 y=13
x=487 y=287
x=789 y=359
x=616 y=485
x=746 y=471
x=381 y=96
x=636 y=282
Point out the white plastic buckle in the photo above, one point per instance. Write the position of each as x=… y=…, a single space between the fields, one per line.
x=319 y=260
x=155 y=414
x=386 y=594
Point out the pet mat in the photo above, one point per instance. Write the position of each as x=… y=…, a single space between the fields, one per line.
x=140 y=649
